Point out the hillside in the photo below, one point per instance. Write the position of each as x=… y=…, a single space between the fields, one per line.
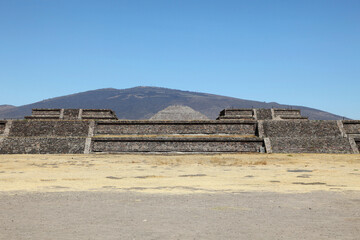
x=6 y=107
x=144 y=102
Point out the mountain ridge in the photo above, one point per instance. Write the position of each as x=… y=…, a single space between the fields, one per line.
x=6 y=106
x=143 y=102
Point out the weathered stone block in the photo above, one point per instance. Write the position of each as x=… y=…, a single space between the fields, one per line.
x=176 y=145
x=176 y=127
x=263 y=114
x=36 y=128
x=311 y=128
x=98 y=114
x=236 y=112
x=351 y=126
x=46 y=111
x=287 y=112
x=310 y=145
x=71 y=114
x=41 y=145
x=2 y=126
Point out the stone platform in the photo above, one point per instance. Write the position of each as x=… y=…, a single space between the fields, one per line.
x=236 y=130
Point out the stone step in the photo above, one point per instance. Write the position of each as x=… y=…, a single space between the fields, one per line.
x=177 y=144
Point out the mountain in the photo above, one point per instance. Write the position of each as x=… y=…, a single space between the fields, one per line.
x=6 y=107
x=144 y=102
x=178 y=112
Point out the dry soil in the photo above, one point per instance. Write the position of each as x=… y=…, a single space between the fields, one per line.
x=218 y=196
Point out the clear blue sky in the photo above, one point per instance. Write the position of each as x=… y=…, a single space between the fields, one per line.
x=292 y=52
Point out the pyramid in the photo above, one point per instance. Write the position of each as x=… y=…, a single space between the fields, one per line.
x=178 y=112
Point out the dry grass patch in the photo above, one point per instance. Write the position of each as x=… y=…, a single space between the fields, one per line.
x=185 y=173
x=225 y=161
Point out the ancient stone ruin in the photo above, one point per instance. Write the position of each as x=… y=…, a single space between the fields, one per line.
x=178 y=112
x=72 y=114
x=51 y=131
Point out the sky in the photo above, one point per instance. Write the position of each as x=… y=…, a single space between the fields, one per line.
x=291 y=52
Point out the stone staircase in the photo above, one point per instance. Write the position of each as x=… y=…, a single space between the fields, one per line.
x=61 y=131
x=176 y=136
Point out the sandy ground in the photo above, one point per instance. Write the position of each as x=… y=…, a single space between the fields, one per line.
x=179 y=174
x=221 y=196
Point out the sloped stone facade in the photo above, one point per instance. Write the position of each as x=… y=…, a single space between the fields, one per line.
x=310 y=145
x=42 y=145
x=99 y=133
x=176 y=127
x=51 y=128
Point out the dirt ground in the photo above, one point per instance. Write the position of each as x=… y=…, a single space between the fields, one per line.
x=218 y=196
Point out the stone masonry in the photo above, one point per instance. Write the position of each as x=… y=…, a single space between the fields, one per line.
x=141 y=127
x=236 y=130
x=72 y=114
x=2 y=126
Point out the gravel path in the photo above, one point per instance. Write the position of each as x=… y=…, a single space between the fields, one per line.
x=130 y=215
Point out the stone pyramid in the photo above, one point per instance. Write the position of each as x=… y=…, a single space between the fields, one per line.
x=178 y=112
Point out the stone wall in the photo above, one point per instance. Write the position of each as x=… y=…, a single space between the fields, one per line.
x=41 y=145
x=240 y=113
x=237 y=112
x=310 y=128
x=98 y=114
x=71 y=114
x=37 y=128
x=287 y=112
x=46 y=111
x=310 y=136
x=2 y=127
x=352 y=126
x=176 y=127
x=358 y=143
x=176 y=145
x=76 y=136
x=79 y=136
x=263 y=114
x=310 y=145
